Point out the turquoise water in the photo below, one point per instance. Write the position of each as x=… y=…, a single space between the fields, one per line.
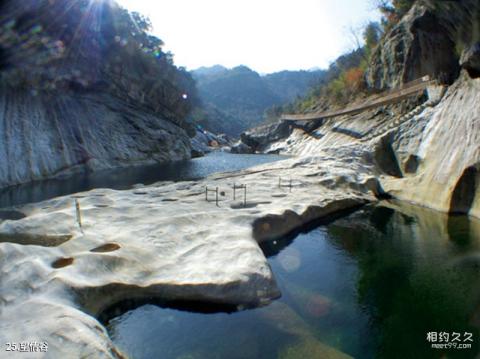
x=124 y=178
x=371 y=285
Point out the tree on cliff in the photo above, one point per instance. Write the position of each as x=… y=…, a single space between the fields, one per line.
x=393 y=10
x=344 y=79
x=371 y=35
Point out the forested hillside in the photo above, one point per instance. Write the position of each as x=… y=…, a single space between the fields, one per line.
x=89 y=46
x=381 y=62
x=236 y=99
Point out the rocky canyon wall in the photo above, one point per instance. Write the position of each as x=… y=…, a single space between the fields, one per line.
x=424 y=149
x=83 y=87
x=59 y=134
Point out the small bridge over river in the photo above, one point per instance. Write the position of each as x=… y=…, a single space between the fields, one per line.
x=384 y=98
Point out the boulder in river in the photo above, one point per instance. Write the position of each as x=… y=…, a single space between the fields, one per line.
x=241 y=147
x=205 y=142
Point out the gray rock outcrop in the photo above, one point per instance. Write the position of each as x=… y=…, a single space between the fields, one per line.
x=241 y=148
x=258 y=138
x=424 y=152
x=205 y=142
x=81 y=97
x=160 y=242
x=420 y=44
x=46 y=136
x=470 y=60
x=440 y=153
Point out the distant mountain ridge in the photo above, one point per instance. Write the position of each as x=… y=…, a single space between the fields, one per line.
x=210 y=71
x=236 y=99
x=290 y=84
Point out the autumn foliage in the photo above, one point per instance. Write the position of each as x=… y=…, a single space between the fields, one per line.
x=354 y=79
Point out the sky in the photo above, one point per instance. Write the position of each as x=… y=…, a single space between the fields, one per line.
x=265 y=35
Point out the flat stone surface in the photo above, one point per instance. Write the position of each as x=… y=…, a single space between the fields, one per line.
x=138 y=244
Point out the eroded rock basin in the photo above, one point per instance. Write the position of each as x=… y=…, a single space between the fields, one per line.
x=138 y=244
x=369 y=285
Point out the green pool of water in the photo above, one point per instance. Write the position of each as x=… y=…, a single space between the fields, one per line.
x=371 y=285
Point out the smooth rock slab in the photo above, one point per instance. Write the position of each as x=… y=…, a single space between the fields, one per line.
x=142 y=247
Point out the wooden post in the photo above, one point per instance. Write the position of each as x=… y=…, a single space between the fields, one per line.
x=234 y=189
x=206 y=193
x=245 y=195
x=78 y=214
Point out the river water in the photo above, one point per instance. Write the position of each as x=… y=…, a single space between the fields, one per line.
x=124 y=178
x=385 y=282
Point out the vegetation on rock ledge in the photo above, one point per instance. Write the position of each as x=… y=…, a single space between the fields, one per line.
x=83 y=46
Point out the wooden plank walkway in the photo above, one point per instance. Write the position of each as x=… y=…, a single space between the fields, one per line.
x=385 y=98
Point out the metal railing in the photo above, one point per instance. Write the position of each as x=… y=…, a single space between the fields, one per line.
x=237 y=188
x=244 y=187
x=207 y=190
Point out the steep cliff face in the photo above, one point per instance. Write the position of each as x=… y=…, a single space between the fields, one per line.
x=420 y=44
x=44 y=136
x=84 y=87
x=440 y=153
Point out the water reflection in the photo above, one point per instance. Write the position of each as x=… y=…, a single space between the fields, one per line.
x=371 y=285
x=123 y=178
x=412 y=278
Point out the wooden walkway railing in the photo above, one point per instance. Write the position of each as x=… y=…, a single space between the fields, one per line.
x=385 y=98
